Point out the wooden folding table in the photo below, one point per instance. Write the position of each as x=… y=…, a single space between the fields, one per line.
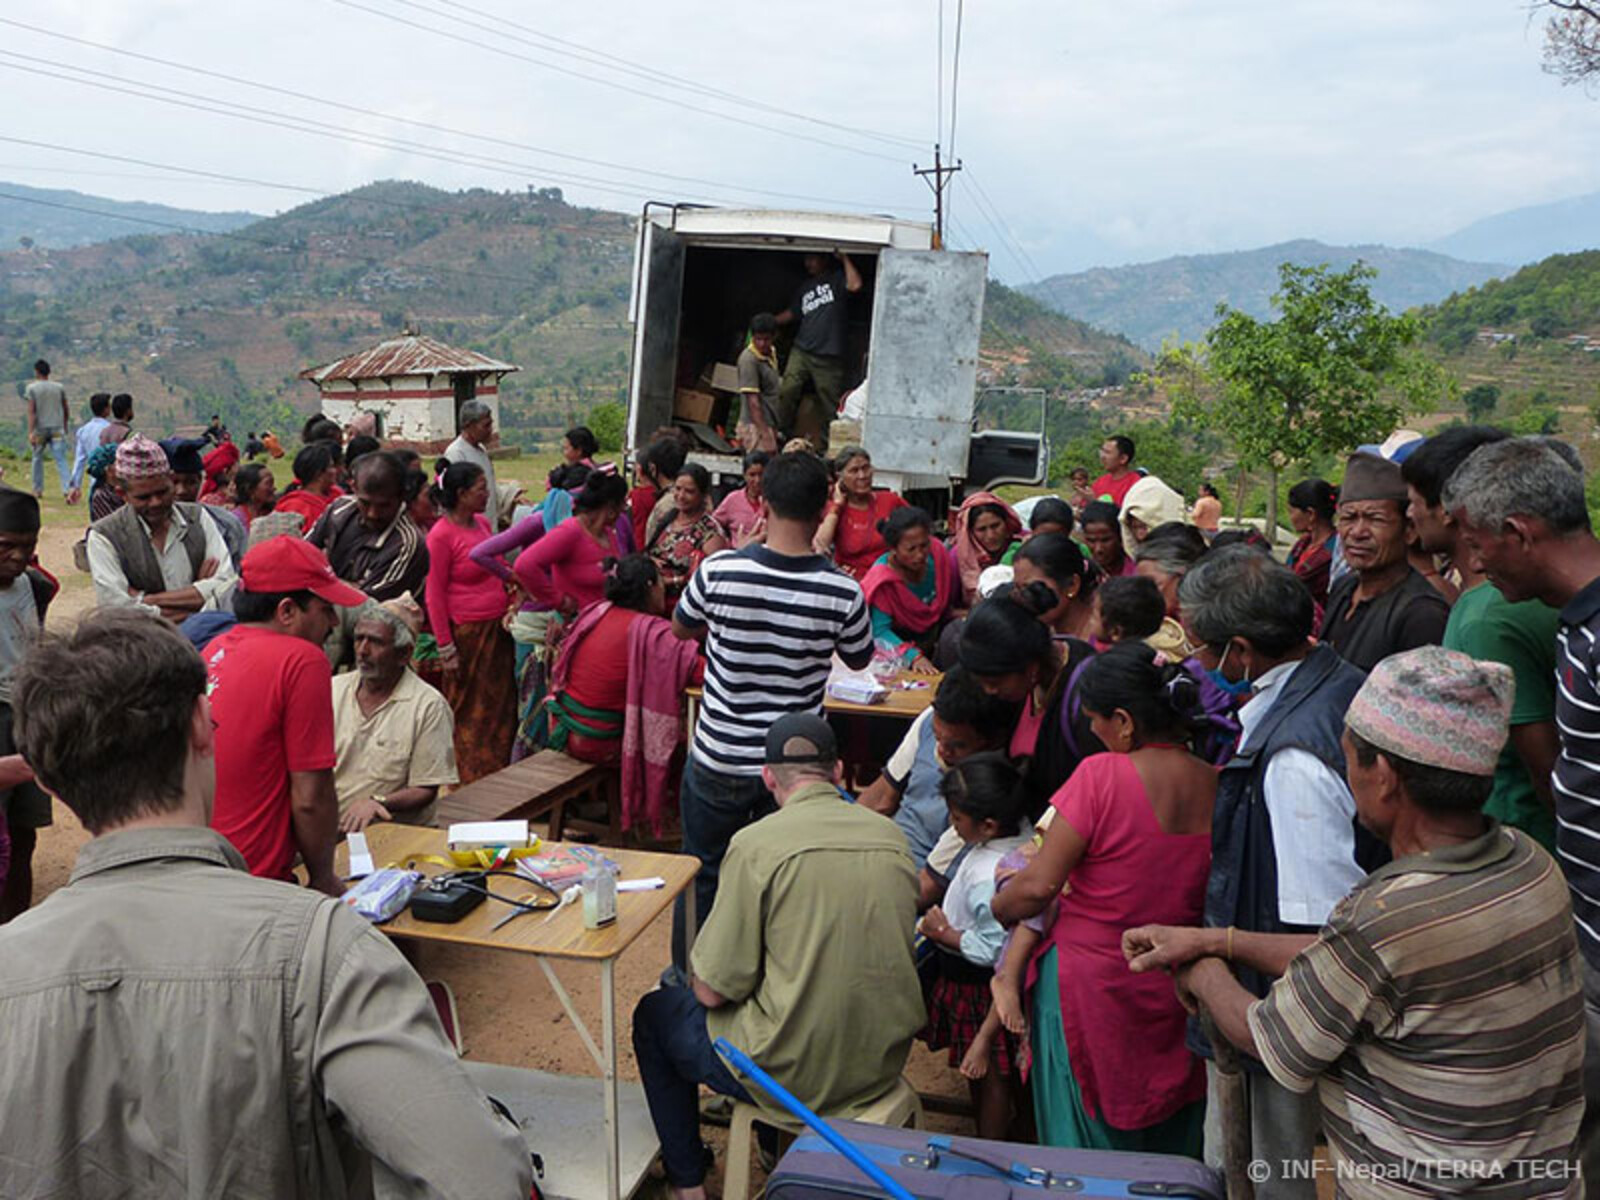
x=562 y=937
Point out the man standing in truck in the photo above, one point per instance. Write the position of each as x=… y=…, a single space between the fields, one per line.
x=759 y=385
x=817 y=355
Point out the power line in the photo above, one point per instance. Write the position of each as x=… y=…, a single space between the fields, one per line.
x=644 y=71
x=309 y=125
x=1000 y=243
x=390 y=117
x=216 y=176
x=764 y=126
x=219 y=107
x=985 y=203
x=938 y=91
x=955 y=75
x=76 y=171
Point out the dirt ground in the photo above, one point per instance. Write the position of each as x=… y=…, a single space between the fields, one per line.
x=508 y=1013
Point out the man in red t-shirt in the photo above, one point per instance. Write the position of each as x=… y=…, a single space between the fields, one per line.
x=272 y=703
x=1116 y=456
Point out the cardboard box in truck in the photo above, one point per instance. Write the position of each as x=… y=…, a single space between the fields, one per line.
x=690 y=404
x=702 y=273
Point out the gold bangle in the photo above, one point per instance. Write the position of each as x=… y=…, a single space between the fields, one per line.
x=1228 y=953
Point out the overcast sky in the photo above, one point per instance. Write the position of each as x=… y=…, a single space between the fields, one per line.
x=1100 y=133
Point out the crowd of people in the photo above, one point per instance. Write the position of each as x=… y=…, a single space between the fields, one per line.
x=1337 y=812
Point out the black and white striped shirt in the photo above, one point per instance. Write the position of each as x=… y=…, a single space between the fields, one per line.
x=772 y=622
x=1577 y=773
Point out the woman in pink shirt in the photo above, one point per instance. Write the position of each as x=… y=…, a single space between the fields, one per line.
x=740 y=511
x=564 y=570
x=465 y=607
x=1132 y=843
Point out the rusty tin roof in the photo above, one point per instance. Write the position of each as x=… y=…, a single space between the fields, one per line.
x=409 y=354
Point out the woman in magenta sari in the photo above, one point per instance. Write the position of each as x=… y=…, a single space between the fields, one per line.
x=1131 y=837
x=912 y=589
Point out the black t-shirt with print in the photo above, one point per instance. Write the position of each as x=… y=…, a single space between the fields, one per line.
x=819 y=305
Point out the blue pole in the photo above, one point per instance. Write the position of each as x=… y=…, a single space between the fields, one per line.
x=782 y=1095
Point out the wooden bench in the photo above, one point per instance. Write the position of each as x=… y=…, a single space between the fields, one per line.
x=540 y=786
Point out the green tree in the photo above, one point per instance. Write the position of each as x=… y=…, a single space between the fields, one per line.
x=1333 y=370
x=1480 y=402
x=607 y=422
x=1540 y=419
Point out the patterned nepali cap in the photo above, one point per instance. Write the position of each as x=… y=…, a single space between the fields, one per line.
x=1436 y=707
x=140 y=458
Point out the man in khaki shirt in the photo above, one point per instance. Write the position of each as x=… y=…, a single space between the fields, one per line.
x=394 y=734
x=816 y=908
x=176 y=1027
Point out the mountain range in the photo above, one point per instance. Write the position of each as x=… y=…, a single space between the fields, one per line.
x=1527 y=235
x=196 y=324
x=55 y=218
x=1178 y=297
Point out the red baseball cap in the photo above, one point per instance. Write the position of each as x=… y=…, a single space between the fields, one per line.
x=289 y=564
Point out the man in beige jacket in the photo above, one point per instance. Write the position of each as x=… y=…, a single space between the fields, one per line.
x=176 y=1027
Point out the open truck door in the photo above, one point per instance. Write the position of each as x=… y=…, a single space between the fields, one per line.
x=656 y=308
x=927 y=318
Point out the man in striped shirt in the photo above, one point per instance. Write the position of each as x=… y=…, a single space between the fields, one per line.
x=1522 y=511
x=1439 y=1013
x=772 y=617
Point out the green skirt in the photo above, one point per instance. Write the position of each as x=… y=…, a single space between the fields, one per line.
x=1058 y=1105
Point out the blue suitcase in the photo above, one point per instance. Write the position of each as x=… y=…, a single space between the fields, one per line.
x=941 y=1167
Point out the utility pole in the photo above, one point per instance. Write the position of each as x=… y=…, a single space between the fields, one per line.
x=939 y=174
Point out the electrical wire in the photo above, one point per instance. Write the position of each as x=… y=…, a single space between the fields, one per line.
x=218 y=176
x=764 y=126
x=226 y=108
x=987 y=205
x=643 y=71
x=938 y=91
x=955 y=77
x=75 y=171
x=1001 y=245
x=368 y=112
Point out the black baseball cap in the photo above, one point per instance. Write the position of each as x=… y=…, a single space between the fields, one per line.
x=801 y=738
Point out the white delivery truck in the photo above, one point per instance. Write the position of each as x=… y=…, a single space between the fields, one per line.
x=701 y=273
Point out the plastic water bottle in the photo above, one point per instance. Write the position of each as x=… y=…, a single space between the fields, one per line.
x=599 y=897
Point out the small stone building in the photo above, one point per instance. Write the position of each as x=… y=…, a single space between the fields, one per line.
x=414 y=385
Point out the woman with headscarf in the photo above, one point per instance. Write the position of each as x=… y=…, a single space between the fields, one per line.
x=219 y=468
x=911 y=590
x=985 y=529
x=1149 y=503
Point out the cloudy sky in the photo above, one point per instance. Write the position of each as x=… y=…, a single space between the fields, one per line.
x=1092 y=133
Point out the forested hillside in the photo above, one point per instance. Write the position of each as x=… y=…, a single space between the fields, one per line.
x=193 y=325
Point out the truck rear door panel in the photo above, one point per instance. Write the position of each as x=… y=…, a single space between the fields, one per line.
x=922 y=371
x=657 y=301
